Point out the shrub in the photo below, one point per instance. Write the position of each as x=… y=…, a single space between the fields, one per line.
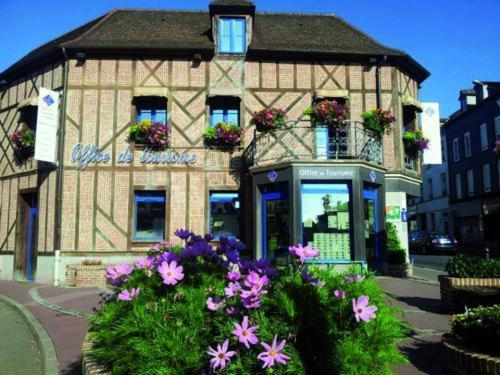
x=415 y=142
x=308 y=320
x=378 y=120
x=268 y=119
x=223 y=136
x=152 y=134
x=463 y=266
x=24 y=142
x=479 y=329
x=395 y=253
x=328 y=112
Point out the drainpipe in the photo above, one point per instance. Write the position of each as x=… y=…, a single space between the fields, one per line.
x=58 y=208
x=378 y=83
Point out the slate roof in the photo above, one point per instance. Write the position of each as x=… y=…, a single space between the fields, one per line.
x=167 y=30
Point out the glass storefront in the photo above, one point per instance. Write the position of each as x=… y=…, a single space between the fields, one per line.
x=276 y=229
x=326 y=219
x=225 y=214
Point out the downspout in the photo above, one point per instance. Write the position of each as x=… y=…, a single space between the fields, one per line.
x=378 y=83
x=60 y=157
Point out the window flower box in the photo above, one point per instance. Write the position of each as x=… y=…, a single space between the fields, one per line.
x=328 y=112
x=150 y=134
x=268 y=119
x=415 y=142
x=24 y=143
x=223 y=136
x=379 y=121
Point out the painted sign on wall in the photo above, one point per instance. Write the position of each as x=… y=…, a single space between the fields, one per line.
x=46 y=125
x=83 y=155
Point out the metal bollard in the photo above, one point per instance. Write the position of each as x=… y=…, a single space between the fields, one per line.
x=486 y=253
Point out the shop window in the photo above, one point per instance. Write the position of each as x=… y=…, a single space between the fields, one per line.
x=151 y=108
x=470 y=182
x=28 y=117
x=224 y=214
x=225 y=109
x=232 y=35
x=326 y=219
x=467 y=149
x=149 y=215
x=484 y=136
x=486 y=178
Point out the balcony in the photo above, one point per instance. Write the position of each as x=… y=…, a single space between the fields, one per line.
x=301 y=141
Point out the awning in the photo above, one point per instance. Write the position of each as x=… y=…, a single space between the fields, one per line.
x=412 y=102
x=151 y=91
x=319 y=94
x=28 y=102
x=214 y=91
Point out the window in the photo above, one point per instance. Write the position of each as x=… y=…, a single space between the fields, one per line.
x=28 y=116
x=149 y=219
x=467 y=144
x=444 y=188
x=484 y=137
x=225 y=109
x=486 y=178
x=225 y=214
x=232 y=35
x=151 y=108
x=458 y=186
x=429 y=187
x=470 y=183
x=443 y=150
x=456 y=155
x=497 y=128
x=326 y=219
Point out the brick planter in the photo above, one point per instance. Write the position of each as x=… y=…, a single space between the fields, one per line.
x=81 y=275
x=456 y=293
x=459 y=360
x=400 y=270
x=89 y=364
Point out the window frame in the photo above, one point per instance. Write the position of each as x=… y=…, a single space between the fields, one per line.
x=497 y=128
x=232 y=37
x=458 y=186
x=455 y=150
x=225 y=104
x=467 y=145
x=238 y=195
x=486 y=167
x=152 y=104
x=470 y=182
x=483 y=130
x=161 y=198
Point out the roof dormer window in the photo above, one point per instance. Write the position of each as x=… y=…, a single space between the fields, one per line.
x=232 y=35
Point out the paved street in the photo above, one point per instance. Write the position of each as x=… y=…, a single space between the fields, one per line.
x=437 y=262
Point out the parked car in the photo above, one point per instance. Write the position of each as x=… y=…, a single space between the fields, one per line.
x=427 y=243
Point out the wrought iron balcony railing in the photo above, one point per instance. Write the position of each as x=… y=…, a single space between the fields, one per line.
x=301 y=141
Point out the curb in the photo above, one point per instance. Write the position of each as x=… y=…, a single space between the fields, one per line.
x=44 y=342
x=35 y=296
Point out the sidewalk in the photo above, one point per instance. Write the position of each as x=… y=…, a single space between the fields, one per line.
x=64 y=314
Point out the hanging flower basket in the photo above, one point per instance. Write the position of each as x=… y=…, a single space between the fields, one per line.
x=223 y=136
x=24 y=143
x=379 y=121
x=268 y=119
x=328 y=112
x=415 y=142
x=150 y=134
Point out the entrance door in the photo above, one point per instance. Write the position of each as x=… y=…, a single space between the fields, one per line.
x=371 y=227
x=26 y=250
x=275 y=226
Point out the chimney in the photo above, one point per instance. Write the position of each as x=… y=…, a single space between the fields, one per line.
x=481 y=90
x=467 y=99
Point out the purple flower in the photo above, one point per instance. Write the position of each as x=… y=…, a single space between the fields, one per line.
x=303 y=252
x=354 y=278
x=208 y=237
x=170 y=272
x=308 y=278
x=232 y=289
x=118 y=271
x=183 y=234
x=273 y=353
x=244 y=333
x=233 y=310
x=251 y=298
x=168 y=256
x=125 y=295
x=254 y=281
x=144 y=263
x=220 y=356
x=161 y=245
x=233 y=275
x=362 y=310
x=339 y=294
x=214 y=303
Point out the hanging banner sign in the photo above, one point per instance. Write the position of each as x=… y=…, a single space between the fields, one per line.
x=46 y=125
x=429 y=119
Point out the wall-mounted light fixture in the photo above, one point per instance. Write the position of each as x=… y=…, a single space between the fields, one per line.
x=80 y=58
x=196 y=60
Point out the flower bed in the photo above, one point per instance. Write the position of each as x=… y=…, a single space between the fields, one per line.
x=197 y=309
x=268 y=119
x=328 y=112
x=24 y=143
x=379 y=120
x=150 y=134
x=415 y=142
x=223 y=136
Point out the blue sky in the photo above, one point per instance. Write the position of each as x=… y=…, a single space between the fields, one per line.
x=456 y=40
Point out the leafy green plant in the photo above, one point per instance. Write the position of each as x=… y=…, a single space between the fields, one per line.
x=463 y=266
x=165 y=316
x=152 y=134
x=222 y=136
x=479 y=328
x=378 y=120
x=415 y=142
x=24 y=142
x=395 y=253
x=328 y=112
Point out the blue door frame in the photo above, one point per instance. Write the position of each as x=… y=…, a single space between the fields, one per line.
x=31 y=234
x=372 y=195
x=276 y=195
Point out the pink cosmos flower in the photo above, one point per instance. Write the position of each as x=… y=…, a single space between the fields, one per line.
x=170 y=272
x=220 y=356
x=214 y=303
x=118 y=271
x=303 y=252
x=254 y=281
x=232 y=289
x=354 y=278
x=144 y=263
x=273 y=353
x=125 y=295
x=233 y=276
x=244 y=333
x=362 y=310
x=339 y=294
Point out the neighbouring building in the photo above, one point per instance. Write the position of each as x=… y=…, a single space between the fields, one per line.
x=192 y=69
x=474 y=167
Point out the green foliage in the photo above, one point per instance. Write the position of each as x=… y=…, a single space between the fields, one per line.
x=479 y=328
x=138 y=132
x=395 y=253
x=222 y=136
x=378 y=120
x=464 y=266
x=167 y=329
